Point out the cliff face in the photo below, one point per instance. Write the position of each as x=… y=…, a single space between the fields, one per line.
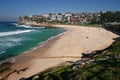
x=30 y=22
x=33 y=21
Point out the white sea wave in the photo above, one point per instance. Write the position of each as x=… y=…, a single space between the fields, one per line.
x=14 y=24
x=23 y=26
x=28 y=26
x=8 y=42
x=14 y=32
x=2 y=51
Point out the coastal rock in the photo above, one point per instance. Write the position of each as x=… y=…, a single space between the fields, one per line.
x=66 y=63
x=35 y=77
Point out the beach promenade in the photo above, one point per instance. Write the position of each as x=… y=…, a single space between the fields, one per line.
x=67 y=47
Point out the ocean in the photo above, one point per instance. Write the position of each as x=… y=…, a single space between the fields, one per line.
x=16 y=39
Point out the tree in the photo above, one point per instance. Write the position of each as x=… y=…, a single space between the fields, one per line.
x=110 y=16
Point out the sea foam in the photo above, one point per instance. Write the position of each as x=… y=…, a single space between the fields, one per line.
x=11 y=60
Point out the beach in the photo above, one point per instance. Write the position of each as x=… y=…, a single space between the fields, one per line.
x=66 y=47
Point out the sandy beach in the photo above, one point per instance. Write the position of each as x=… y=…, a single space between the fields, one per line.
x=67 y=47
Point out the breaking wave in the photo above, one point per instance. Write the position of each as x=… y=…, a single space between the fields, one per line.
x=27 y=26
x=14 y=32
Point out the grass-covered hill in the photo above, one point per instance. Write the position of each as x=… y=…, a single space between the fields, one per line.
x=102 y=66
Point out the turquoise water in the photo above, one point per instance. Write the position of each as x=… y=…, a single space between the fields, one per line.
x=15 y=39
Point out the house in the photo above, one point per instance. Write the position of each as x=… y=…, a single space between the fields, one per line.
x=68 y=17
x=45 y=15
x=60 y=17
x=53 y=17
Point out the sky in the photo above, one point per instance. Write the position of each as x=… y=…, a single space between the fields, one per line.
x=10 y=10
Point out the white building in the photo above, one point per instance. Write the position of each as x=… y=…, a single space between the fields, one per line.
x=46 y=15
x=53 y=17
x=60 y=17
x=68 y=16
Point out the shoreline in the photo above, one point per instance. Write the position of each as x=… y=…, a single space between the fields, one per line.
x=67 y=47
x=39 y=45
x=12 y=58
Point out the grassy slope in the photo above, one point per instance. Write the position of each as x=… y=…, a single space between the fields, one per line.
x=100 y=70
